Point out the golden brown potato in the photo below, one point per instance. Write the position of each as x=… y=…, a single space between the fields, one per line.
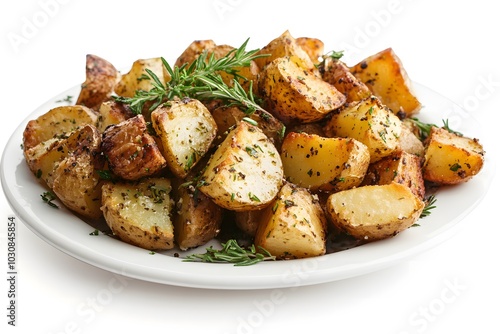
x=312 y=46
x=248 y=221
x=186 y=130
x=409 y=142
x=370 y=122
x=197 y=219
x=295 y=95
x=376 y=212
x=338 y=74
x=294 y=226
x=140 y=213
x=138 y=79
x=112 y=112
x=451 y=158
x=130 y=150
x=285 y=46
x=100 y=81
x=245 y=172
x=384 y=74
x=193 y=51
x=324 y=164
x=57 y=122
x=400 y=167
x=227 y=117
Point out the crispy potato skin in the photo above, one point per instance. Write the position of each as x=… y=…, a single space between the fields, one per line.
x=450 y=158
x=384 y=74
x=100 y=81
x=245 y=172
x=369 y=122
x=295 y=95
x=130 y=150
x=324 y=164
x=112 y=112
x=294 y=226
x=400 y=167
x=376 y=212
x=56 y=122
x=139 y=213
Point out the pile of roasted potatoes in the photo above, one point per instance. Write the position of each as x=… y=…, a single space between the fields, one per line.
x=338 y=155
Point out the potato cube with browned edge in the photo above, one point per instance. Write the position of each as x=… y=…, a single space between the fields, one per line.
x=384 y=74
x=186 y=130
x=140 y=213
x=370 y=122
x=294 y=226
x=324 y=164
x=451 y=158
x=245 y=172
x=131 y=152
x=375 y=212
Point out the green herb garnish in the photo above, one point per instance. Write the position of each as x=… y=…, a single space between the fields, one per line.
x=429 y=205
x=48 y=197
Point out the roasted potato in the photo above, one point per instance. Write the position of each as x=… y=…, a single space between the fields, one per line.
x=57 y=122
x=409 y=142
x=100 y=81
x=338 y=74
x=137 y=78
x=112 y=112
x=245 y=172
x=374 y=212
x=294 y=226
x=248 y=221
x=370 y=122
x=400 y=167
x=186 y=130
x=312 y=46
x=193 y=51
x=131 y=152
x=384 y=74
x=140 y=213
x=324 y=164
x=451 y=158
x=197 y=219
x=296 y=95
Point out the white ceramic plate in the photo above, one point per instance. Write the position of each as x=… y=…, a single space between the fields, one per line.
x=68 y=233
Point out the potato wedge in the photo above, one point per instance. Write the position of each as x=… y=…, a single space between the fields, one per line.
x=186 y=130
x=409 y=142
x=370 y=122
x=140 y=213
x=295 y=95
x=384 y=74
x=245 y=172
x=112 y=112
x=338 y=74
x=377 y=212
x=193 y=51
x=130 y=150
x=57 y=122
x=451 y=158
x=400 y=167
x=294 y=226
x=197 y=219
x=324 y=164
x=314 y=47
x=136 y=78
x=100 y=81
x=248 y=221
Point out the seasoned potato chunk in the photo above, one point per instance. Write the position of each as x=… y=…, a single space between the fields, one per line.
x=312 y=46
x=245 y=172
x=57 y=122
x=400 y=167
x=294 y=226
x=101 y=78
x=338 y=74
x=386 y=77
x=130 y=150
x=140 y=213
x=374 y=212
x=409 y=142
x=451 y=158
x=369 y=122
x=326 y=164
x=186 y=130
x=135 y=79
x=112 y=112
x=193 y=51
x=294 y=94
x=197 y=219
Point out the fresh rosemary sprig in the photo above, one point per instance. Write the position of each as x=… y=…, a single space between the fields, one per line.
x=429 y=205
x=200 y=80
x=48 y=197
x=425 y=128
x=232 y=252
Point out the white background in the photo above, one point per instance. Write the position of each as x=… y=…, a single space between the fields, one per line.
x=451 y=47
